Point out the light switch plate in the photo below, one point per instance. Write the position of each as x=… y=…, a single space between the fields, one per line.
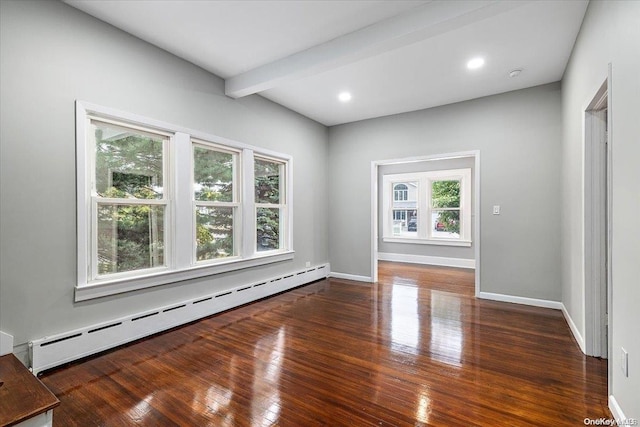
x=496 y=209
x=624 y=362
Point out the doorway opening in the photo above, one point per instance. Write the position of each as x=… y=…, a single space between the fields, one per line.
x=597 y=212
x=409 y=222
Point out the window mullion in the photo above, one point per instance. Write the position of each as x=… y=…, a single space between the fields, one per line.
x=129 y=202
x=183 y=211
x=424 y=207
x=247 y=200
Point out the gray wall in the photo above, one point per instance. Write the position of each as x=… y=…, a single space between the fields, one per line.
x=420 y=249
x=51 y=55
x=610 y=33
x=518 y=135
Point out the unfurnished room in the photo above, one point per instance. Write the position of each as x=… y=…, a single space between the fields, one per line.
x=319 y=213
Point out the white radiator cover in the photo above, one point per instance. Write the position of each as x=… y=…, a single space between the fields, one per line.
x=55 y=350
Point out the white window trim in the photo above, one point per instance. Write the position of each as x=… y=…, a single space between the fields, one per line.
x=283 y=206
x=236 y=203
x=423 y=195
x=180 y=264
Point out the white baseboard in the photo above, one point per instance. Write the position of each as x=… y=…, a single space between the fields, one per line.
x=574 y=330
x=616 y=410
x=350 y=277
x=428 y=260
x=556 y=305
x=6 y=343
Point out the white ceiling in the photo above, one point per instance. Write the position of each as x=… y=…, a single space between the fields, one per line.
x=393 y=56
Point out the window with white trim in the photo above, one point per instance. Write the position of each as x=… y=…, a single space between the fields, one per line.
x=216 y=201
x=437 y=209
x=158 y=203
x=129 y=200
x=270 y=198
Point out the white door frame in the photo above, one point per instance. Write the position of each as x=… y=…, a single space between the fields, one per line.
x=475 y=214
x=597 y=222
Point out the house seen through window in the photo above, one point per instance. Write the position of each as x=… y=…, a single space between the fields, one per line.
x=428 y=207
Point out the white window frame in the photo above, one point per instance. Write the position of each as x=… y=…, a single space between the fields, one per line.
x=283 y=217
x=180 y=262
x=424 y=235
x=236 y=203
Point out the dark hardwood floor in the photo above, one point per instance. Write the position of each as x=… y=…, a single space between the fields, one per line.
x=415 y=349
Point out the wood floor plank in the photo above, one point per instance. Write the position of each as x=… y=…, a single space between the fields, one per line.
x=414 y=349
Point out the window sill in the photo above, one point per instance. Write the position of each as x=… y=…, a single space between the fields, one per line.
x=106 y=287
x=417 y=241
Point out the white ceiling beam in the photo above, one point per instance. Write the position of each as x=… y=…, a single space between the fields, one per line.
x=418 y=24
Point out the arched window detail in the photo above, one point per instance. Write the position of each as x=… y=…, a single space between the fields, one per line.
x=400 y=192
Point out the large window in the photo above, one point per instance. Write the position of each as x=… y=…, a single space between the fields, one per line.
x=129 y=201
x=158 y=204
x=428 y=207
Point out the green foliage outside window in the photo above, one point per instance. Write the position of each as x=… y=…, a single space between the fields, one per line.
x=267 y=191
x=128 y=166
x=213 y=178
x=446 y=194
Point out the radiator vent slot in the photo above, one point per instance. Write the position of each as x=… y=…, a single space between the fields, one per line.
x=174 y=308
x=44 y=344
x=85 y=341
x=144 y=316
x=102 y=328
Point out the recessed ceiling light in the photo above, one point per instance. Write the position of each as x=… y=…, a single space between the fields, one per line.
x=344 y=97
x=475 y=63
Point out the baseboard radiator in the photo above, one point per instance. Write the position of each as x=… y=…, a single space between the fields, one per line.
x=58 y=349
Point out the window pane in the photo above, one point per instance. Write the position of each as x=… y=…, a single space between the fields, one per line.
x=130 y=237
x=268 y=229
x=405 y=223
x=445 y=224
x=212 y=175
x=445 y=194
x=129 y=163
x=267 y=176
x=214 y=233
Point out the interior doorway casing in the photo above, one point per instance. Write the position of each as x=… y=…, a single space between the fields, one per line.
x=597 y=222
x=475 y=214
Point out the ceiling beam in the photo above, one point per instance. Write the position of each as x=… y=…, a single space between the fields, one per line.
x=421 y=23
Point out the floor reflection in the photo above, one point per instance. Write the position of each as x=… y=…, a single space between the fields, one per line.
x=218 y=400
x=405 y=321
x=423 y=407
x=446 y=328
x=268 y=354
x=139 y=412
